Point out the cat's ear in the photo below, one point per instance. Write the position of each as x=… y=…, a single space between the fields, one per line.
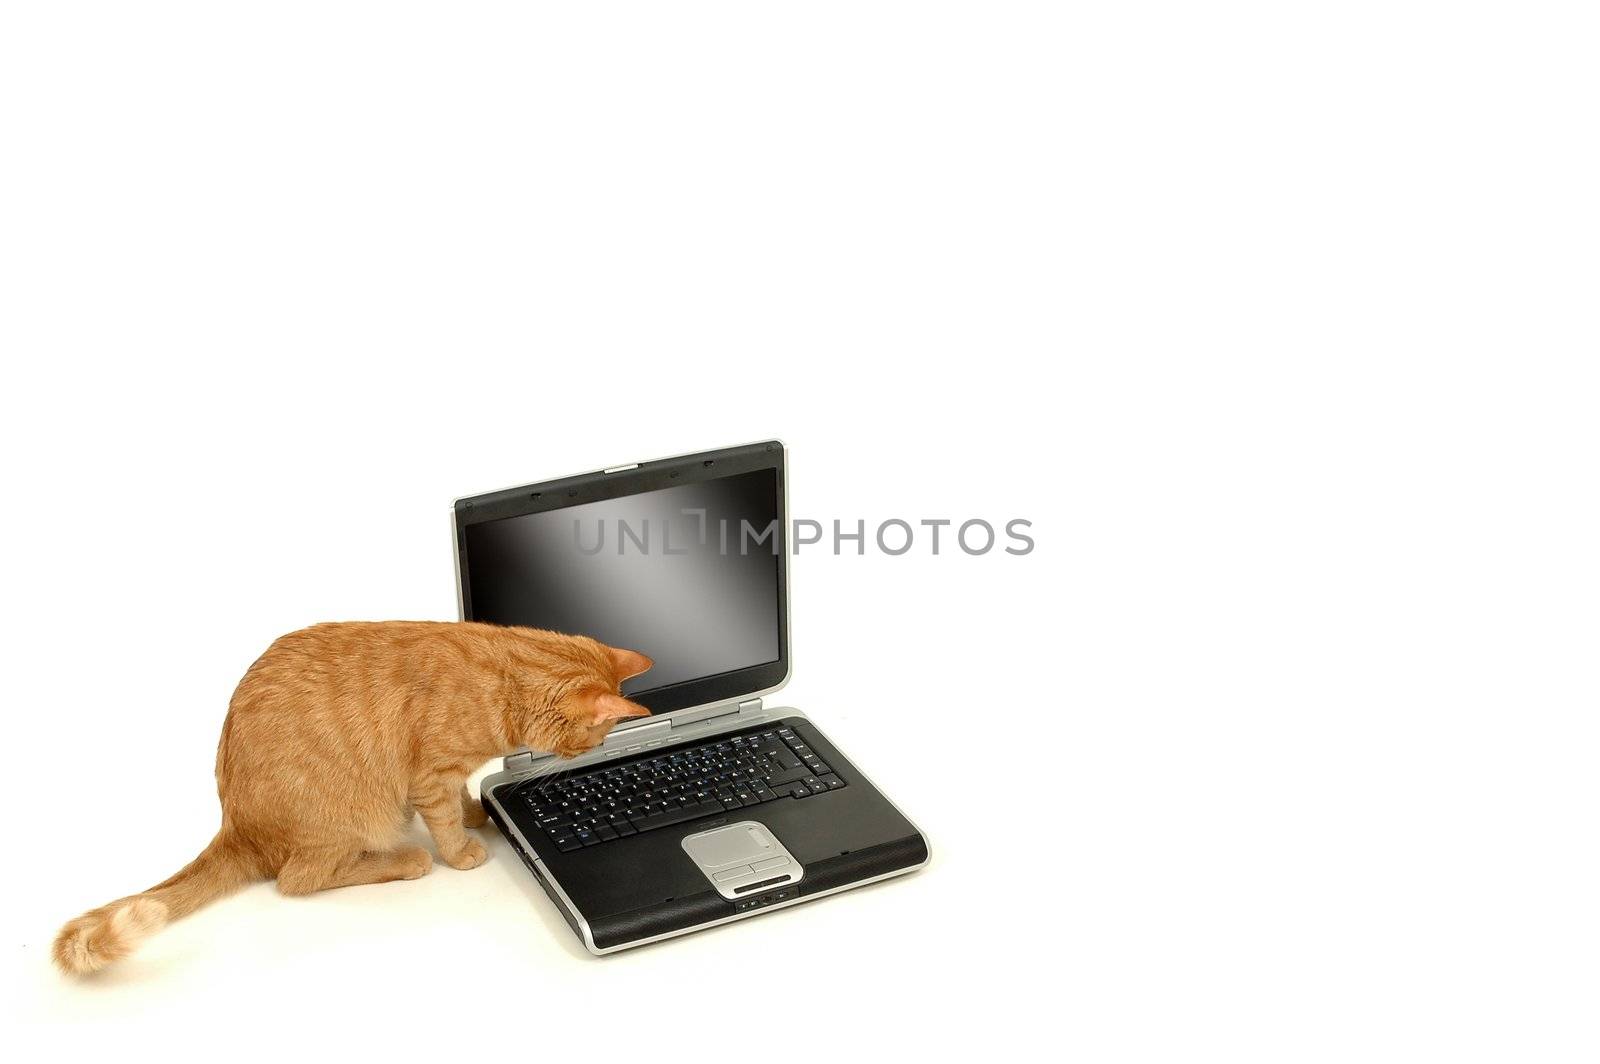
x=609 y=707
x=628 y=663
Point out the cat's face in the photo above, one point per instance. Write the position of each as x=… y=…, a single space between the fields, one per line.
x=592 y=711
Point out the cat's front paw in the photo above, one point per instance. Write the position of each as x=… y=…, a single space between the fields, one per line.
x=471 y=855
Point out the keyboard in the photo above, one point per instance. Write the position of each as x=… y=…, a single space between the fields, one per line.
x=605 y=804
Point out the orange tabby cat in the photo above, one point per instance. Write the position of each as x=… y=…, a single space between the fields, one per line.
x=339 y=731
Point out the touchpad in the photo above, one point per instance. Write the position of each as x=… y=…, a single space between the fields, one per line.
x=742 y=858
x=730 y=845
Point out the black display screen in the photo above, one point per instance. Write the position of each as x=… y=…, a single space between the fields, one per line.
x=688 y=575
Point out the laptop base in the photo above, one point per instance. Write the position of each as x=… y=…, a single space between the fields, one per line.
x=647 y=887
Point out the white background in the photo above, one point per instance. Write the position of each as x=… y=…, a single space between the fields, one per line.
x=1278 y=321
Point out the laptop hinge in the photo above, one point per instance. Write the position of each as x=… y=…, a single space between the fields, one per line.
x=639 y=733
x=750 y=705
x=522 y=759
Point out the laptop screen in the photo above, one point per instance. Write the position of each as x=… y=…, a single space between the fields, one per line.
x=690 y=575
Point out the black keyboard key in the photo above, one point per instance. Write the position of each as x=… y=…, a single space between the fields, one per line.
x=604 y=833
x=675 y=816
x=799 y=790
x=785 y=759
x=833 y=782
x=780 y=779
x=567 y=843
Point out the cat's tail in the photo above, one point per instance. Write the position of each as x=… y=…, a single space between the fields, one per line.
x=111 y=932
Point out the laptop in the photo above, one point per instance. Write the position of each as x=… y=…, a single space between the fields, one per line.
x=718 y=807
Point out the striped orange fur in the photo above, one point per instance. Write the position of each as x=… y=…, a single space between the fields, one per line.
x=340 y=731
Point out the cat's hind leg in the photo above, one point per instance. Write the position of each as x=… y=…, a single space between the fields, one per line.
x=326 y=867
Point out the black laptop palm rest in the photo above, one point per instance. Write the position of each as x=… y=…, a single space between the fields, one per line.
x=589 y=808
